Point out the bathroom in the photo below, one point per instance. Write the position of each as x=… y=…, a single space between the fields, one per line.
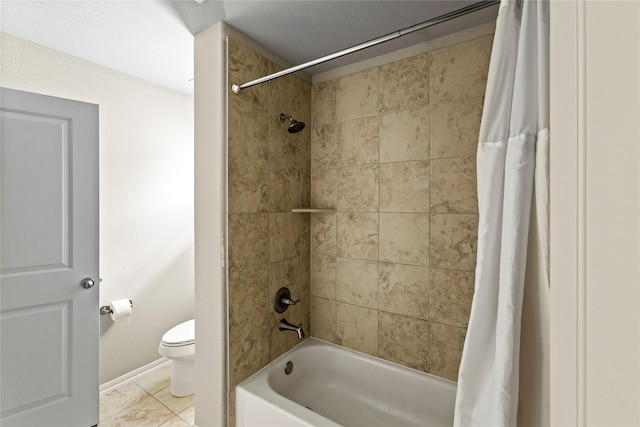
x=317 y=296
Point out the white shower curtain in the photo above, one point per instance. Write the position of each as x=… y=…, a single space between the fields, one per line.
x=513 y=242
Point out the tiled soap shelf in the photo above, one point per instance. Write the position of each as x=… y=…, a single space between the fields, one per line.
x=313 y=210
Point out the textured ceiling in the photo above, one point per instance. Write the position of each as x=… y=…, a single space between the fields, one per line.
x=153 y=39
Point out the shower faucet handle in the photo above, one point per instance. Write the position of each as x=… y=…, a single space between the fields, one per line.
x=283 y=300
x=288 y=301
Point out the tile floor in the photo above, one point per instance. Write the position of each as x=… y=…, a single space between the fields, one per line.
x=146 y=402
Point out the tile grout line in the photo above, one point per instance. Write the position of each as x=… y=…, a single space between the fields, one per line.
x=145 y=398
x=130 y=405
x=381 y=105
x=429 y=110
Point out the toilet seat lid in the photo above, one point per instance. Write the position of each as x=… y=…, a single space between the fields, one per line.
x=182 y=334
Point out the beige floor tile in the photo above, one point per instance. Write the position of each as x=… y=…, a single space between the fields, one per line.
x=120 y=398
x=189 y=415
x=156 y=380
x=147 y=413
x=175 y=422
x=176 y=404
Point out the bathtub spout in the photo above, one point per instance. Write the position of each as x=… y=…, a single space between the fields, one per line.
x=286 y=326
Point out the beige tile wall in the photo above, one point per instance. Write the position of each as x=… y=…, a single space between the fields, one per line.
x=269 y=174
x=393 y=149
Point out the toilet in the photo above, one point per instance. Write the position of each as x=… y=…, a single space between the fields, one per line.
x=179 y=345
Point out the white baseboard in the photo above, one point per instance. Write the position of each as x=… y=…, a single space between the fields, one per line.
x=143 y=370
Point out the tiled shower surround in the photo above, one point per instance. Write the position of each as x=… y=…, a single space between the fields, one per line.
x=392 y=149
x=269 y=174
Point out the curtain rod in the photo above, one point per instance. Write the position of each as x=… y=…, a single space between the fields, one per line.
x=399 y=33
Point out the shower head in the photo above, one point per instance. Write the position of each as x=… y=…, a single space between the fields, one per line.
x=295 y=126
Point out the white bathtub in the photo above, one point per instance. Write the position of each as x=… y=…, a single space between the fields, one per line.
x=333 y=386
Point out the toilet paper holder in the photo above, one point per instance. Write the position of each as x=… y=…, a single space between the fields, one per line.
x=105 y=309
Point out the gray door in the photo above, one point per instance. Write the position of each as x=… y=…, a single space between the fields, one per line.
x=49 y=244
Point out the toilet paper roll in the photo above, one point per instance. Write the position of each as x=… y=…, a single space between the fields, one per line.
x=120 y=309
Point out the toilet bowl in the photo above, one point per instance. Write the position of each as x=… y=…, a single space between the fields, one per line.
x=179 y=345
